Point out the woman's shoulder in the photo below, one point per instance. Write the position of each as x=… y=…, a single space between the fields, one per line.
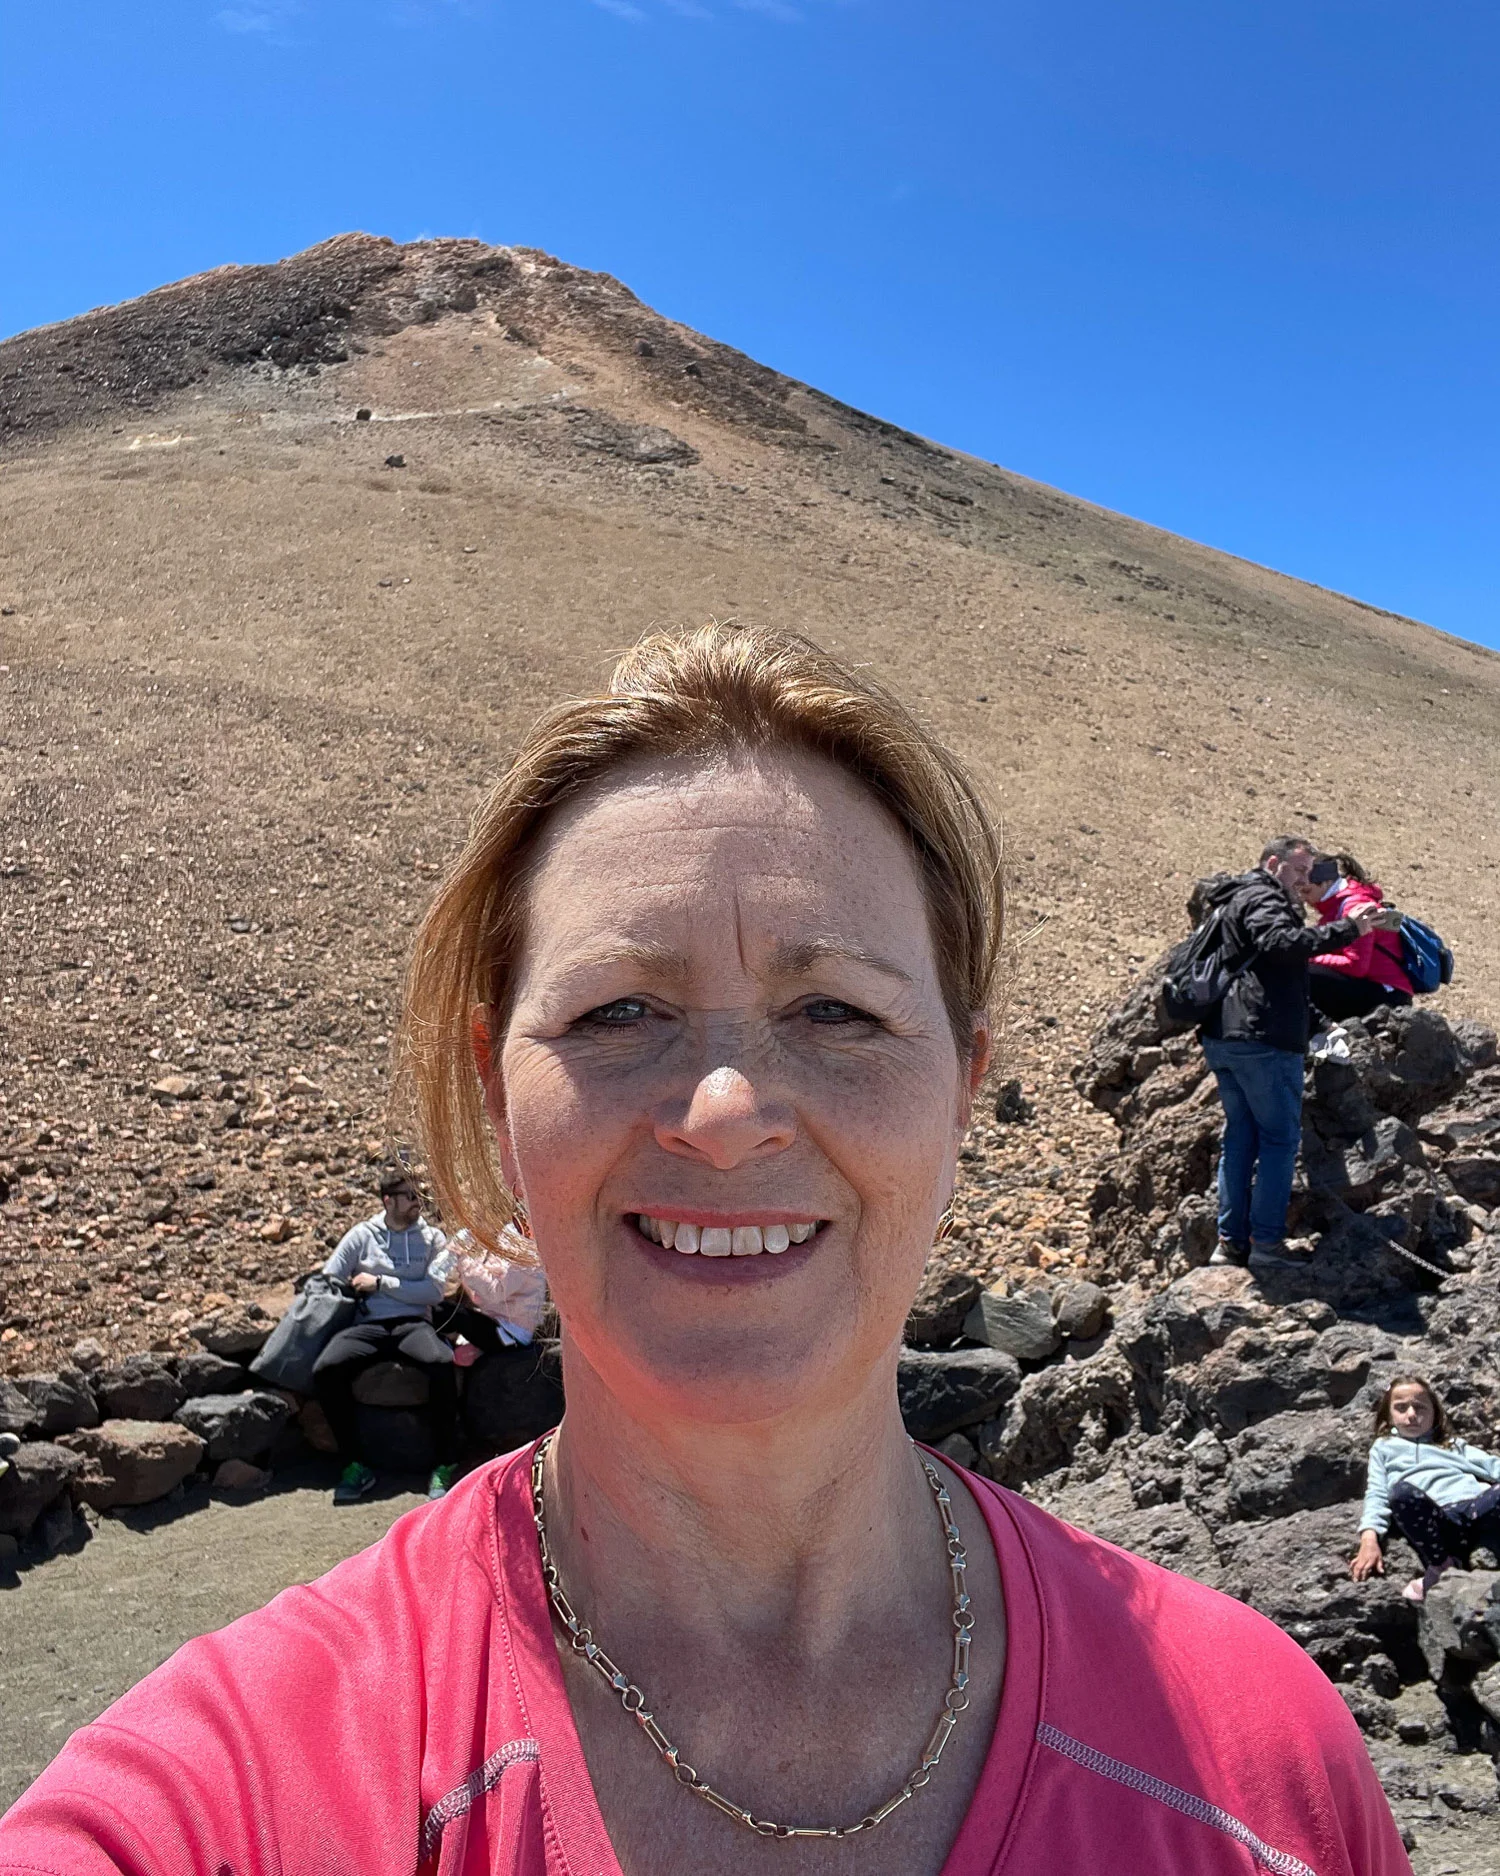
x=374 y=1627
x=1161 y=1687
x=1116 y=1620
x=372 y=1678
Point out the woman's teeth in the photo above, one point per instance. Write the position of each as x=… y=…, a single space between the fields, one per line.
x=719 y=1240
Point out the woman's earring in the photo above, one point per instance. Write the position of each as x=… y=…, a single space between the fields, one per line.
x=944 y=1226
x=518 y=1216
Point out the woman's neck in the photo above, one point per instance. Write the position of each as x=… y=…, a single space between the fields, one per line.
x=785 y=1526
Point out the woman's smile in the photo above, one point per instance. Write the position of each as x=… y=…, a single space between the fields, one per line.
x=719 y=1248
x=700 y=1234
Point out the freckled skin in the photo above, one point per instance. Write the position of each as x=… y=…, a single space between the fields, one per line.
x=726 y=1084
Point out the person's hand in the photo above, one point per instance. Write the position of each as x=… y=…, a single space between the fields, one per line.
x=363 y=1283
x=1371 y=918
x=1368 y=1560
x=1389 y=919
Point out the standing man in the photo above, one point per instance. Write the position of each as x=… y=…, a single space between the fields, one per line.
x=395 y=1263
x=1255 y=1042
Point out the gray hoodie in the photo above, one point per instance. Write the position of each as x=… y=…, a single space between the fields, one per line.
x=411 y=1266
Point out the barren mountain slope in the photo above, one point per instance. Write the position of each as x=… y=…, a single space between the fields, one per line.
x=260 y=656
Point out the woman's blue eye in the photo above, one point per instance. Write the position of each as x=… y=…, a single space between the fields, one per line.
x=615 y=1015
x=833 y=1010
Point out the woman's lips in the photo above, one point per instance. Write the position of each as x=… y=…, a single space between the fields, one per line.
x=741 y=1238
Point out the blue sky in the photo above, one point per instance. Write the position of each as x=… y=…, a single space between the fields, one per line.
x=1230 y=267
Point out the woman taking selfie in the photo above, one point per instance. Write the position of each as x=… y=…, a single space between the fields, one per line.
x=705 y=1001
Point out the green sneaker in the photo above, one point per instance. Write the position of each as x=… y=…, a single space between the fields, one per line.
x=442 y=1478
x=356 y=1482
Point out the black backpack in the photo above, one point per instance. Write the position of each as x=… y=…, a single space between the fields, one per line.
x=1201 y=969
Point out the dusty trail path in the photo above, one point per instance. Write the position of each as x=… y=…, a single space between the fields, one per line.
x=75 y=1633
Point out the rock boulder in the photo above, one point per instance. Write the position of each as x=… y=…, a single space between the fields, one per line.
x=36 y=1479
x=1022 y=1325
x=512 y=1395
x=139 y=1388
x=200 y=1372
x=943 y=1301
x=58 y=1402
x=942 y=1392
x=235 y=1426
x=235 y=1332
x=132 y=1462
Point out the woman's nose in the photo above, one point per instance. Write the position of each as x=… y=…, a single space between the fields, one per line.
x=727 y=1122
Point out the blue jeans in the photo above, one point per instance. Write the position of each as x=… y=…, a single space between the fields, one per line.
x=1261 y=1089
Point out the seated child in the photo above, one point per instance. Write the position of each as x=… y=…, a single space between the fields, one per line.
x=1441 y=1495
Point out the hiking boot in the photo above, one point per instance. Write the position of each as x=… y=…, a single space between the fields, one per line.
x=442 y=1478
x=1226 y=1251
x=1284 y=1254
x=355 y=1482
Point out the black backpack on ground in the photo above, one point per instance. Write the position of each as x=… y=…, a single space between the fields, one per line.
x=1201 y=969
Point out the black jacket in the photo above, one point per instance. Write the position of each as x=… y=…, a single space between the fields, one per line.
x=1268 y=1001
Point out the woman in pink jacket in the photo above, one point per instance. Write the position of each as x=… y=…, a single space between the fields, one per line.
x=1366 y=974
x=706 y=994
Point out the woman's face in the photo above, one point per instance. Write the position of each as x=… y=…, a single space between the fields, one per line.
x=1411 y=1410
x=729 y=1034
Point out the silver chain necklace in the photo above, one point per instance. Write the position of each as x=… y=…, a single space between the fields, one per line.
x=955 y=1701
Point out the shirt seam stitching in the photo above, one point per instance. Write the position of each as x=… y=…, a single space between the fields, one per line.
x=1187 y=1804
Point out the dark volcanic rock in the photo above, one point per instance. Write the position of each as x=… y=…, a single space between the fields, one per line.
x=1263 y=1371
x=235 y=1426
x=1055 y=1411
x=235 y=1333
x=512 y=1395
x=199 y=1372
x=392 y=1384
x=1022 y=1325
x=942 y=1393
x=1458 y=1625
x=140 y=1388
x=1080 y=1311
x=58 y=1402
x=1296 y=1570
x=946 y=1296
x=1410 y=1060
x=1475 y=1176
x=37 y=1478
x=1297 y=1462
x=16 y=1412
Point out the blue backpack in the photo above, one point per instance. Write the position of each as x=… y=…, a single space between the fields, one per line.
x=1426 y=960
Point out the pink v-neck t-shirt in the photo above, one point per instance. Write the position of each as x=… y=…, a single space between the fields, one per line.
x=406 y=1713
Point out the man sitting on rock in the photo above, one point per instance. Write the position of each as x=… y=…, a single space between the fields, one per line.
x=1255 y=1041
x=395 y=1264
